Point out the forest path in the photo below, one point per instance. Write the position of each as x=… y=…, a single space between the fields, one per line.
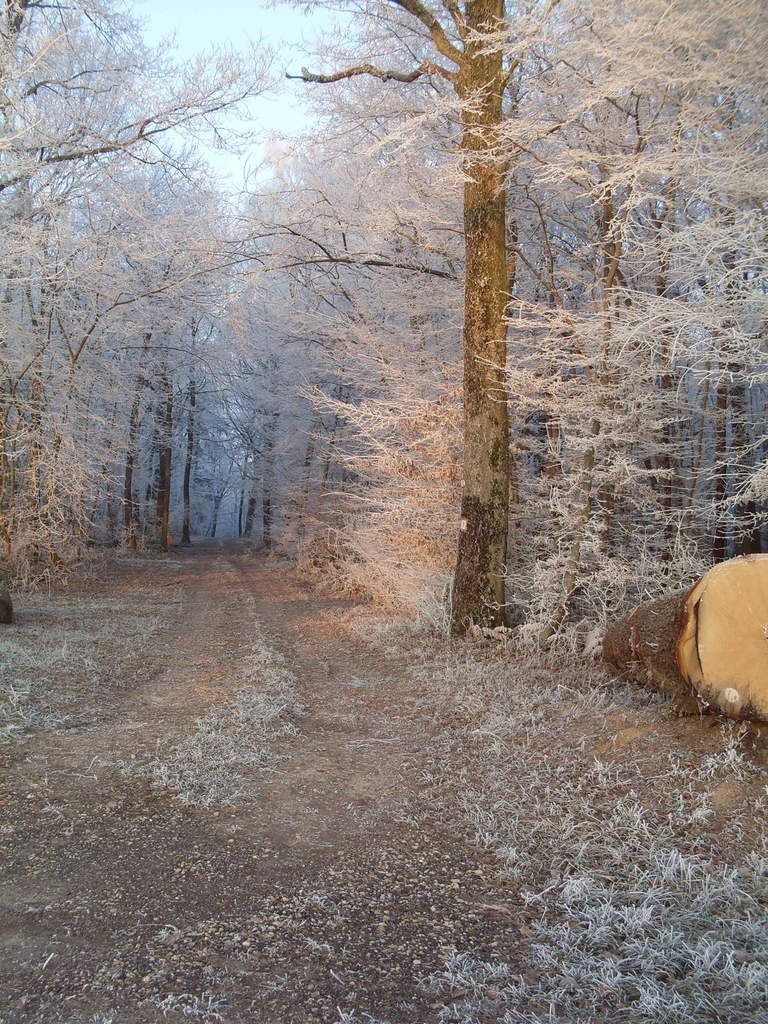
x=331 y=895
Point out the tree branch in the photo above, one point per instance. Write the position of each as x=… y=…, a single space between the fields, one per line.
x=443 y=45
x=361 y=69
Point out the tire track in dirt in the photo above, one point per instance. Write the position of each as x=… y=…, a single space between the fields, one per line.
x=333 y=892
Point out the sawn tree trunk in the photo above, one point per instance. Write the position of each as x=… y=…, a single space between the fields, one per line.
x=709 y=642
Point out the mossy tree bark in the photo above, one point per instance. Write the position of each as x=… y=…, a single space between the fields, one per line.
x=478 y=589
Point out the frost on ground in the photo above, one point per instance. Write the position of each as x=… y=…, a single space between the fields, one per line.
x=215 y=764
x=638 y=862
x=61 y=655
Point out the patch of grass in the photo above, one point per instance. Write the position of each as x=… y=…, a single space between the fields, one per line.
x=641 y=898
x=353 y=1017
x=61 y=653
x=206 y=1007
x=215 y=764
x=672 y=938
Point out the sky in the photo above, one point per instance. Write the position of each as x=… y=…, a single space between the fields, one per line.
x=197 y=24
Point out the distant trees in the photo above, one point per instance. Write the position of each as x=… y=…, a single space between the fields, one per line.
x=371 y=254
x=105 y=256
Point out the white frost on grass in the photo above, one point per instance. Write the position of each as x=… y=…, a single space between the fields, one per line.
x=61 y=654
x=353 y=1017
x=215 y=764
x=673 y=940
x=620 y=863
x=206 y=1007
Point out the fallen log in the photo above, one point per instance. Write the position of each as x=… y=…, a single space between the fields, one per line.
x=709 y=642
x=6 y=607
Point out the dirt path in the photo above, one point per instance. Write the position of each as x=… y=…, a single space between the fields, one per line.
x=330 y=896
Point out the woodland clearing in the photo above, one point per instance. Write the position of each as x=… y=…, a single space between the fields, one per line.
x=408 y=830
x=461 y=373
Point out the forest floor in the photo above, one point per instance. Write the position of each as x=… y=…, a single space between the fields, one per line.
x=227 y=797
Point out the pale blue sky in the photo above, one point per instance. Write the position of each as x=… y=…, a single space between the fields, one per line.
x=197 y=24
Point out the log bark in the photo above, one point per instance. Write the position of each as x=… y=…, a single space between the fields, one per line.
x=644 y=643
x=709 y=642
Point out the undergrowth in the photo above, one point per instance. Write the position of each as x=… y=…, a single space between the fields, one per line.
x=636 y=848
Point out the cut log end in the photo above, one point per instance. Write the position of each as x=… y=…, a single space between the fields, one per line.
x=724 y=650
x=710 y=642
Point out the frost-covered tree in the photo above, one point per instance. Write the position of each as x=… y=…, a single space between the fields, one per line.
x=455 y=46
x=632 y=142
x=639 y=366
x=108 y=252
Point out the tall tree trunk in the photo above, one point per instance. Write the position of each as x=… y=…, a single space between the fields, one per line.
x=748 y=521
x=478 y=588
x=720 y=537
x=217 y=500
x=328 y=458
x=165 y=441
x=267 y=480
x=110 y=517
x=249 y=484
x=250 y=509
x=130 y=506
x=303 y=510
x=266 y=520
x=730 y=372
x=250 y=513
x=37 y=403
x=666 y=482
x=698 y=442
x=191 y=402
